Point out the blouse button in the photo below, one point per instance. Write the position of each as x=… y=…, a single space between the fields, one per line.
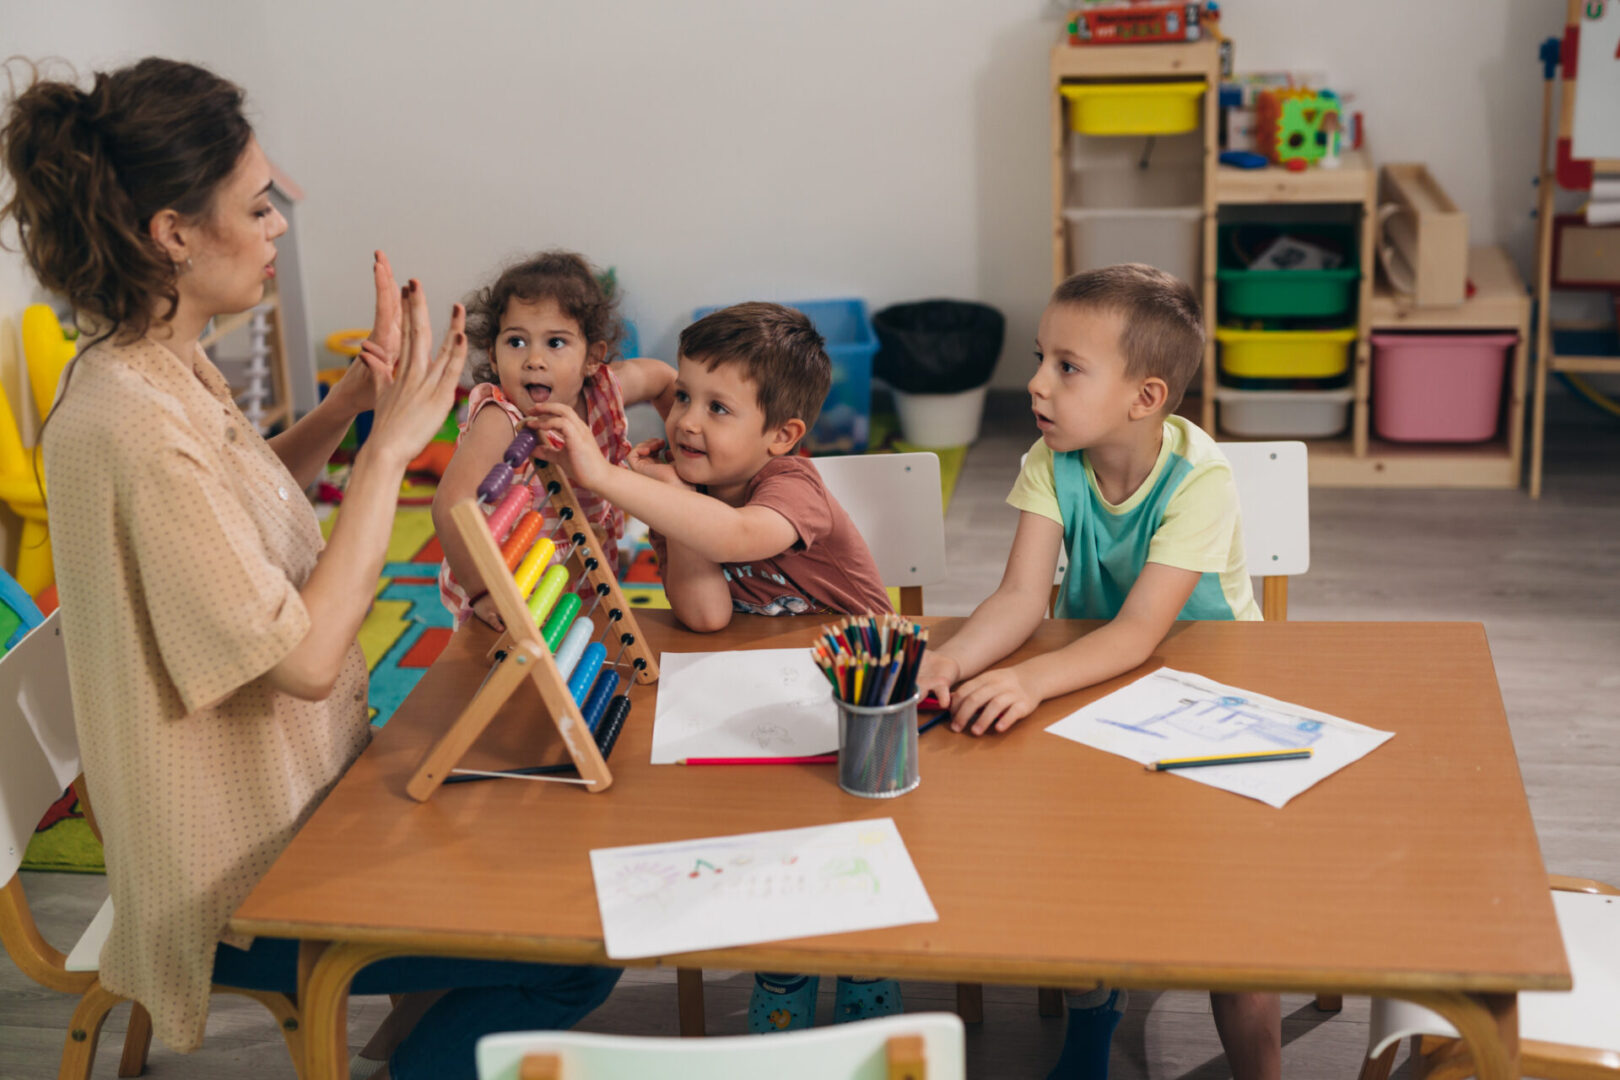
x=230 y=433
x=282 y=492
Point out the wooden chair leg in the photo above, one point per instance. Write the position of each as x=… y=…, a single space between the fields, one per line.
x=1377 y=1068
x=137 y=1041
x=689 y=999
x=1329 y=1002
x=84 y=1030
x=285 y=1012
x=970 y=1002
x=1050 y=1000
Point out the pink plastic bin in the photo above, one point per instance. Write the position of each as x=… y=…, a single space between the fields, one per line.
x=1438 y=387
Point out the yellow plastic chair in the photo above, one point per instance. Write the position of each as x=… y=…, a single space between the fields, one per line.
x=22 y=476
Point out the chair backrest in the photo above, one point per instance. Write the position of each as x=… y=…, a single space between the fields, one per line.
x=896 y=502
x=1273 y=487
x=47 y=350
x=41 y=755
x=842 y=1052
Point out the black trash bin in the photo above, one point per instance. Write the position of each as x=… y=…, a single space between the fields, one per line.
x=938 y=356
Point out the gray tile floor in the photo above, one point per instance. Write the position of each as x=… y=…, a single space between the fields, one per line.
x=1544 y=578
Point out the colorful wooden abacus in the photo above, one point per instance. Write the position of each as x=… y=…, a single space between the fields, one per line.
x=548 y=639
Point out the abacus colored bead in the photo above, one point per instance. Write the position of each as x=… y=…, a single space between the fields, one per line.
x=573 y=645
x=496 y=482
x=516 y=500
x=544 y=597
x=561 y=617
x=534 y=563
x=522 y=446
x=518 y=544
x=612 y=723
x=607 y=683
x=585 y=672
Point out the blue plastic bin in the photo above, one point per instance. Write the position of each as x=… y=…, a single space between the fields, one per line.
x=846 y=418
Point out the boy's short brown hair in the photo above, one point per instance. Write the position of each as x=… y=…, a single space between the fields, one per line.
x=1164 y=324
x=779 y=350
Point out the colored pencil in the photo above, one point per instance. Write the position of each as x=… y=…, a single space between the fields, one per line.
x=810 y=759
x=1229 y=759
x=935 y=722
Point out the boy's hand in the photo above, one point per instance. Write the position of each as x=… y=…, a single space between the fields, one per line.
x=936 y=675
x=1000 y=697
x=650 y=458
x=565 y=439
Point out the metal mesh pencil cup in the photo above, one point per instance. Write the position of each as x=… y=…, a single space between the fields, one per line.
x=877 y=748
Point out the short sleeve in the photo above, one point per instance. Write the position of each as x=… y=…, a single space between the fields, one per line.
x=794 y=490
x=1199 y=522
x=222 y=613
x=1035 y=490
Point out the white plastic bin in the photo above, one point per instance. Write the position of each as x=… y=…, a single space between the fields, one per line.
x=1165 y=237
x=1276 y=414
x=939 y=421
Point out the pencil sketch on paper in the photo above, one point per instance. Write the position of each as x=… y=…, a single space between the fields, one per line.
x=751 y=703
x=665 y=898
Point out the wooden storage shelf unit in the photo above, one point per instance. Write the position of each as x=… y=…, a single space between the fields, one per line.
x=1355 y=459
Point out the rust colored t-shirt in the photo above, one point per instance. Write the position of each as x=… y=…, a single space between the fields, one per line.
x=829 y=568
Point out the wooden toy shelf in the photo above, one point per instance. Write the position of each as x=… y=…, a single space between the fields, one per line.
x=1356 y=459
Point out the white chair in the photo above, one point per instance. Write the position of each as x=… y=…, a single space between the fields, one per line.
x=1561 y=1035
x=892 y=1048
x=40 y=760
x=1273 y=485
x=896 y=503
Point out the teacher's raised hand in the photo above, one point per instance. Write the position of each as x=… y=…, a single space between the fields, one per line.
x=412 y=406
x=373 y=368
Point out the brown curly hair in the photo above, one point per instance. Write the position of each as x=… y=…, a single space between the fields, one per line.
x=89 y=169
x=585 y=294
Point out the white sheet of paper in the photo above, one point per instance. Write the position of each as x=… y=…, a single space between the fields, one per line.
x=749 y=703
x=660 y=899
x=1174 y=714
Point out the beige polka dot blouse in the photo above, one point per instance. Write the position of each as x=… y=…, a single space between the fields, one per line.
x=181 y=542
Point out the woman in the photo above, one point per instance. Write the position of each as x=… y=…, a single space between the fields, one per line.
x=218 y=687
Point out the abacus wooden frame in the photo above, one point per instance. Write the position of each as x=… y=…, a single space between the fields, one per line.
x=522 y=652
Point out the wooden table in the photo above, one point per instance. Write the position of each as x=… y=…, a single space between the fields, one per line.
x=1413 y=873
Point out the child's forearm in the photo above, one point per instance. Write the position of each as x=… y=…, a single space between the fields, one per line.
x=697 y=588
x=716 y=532
x=462 y=567
x=997 y=626
x=1107 y=651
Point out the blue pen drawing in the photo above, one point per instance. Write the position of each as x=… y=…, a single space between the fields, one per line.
x=1218 y=718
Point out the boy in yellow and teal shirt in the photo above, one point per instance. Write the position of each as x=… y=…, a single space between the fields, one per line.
x=1143 y=504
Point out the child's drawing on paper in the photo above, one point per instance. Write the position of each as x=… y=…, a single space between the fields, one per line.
x=1217 y=718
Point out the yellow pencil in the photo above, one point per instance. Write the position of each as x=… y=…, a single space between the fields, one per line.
x=1228 y=759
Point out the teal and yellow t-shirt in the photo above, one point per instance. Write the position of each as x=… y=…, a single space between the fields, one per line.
x=1185 y=514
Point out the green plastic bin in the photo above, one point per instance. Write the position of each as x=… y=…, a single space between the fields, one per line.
x=1287 y=294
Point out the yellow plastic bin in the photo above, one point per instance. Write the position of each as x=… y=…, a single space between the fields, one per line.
x=1285 y=354
x=1167 y=108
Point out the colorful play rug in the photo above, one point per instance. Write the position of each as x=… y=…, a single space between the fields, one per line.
x=405 y=631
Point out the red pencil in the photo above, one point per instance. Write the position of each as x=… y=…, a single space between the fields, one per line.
x=813 y=759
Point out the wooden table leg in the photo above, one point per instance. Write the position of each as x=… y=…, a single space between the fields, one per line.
x=689 y=1001
x=1488 y=1024
x=324 y=974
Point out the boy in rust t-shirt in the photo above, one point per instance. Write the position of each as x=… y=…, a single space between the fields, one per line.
x=738 y=522
x=741 y=524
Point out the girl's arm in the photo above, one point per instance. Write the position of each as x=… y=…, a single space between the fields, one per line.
x=486 y=441
x=1007 y=616
x=647 y=379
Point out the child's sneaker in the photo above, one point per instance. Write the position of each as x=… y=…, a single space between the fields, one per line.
x=782 y=1002
x=1093 y=1016
x=863 y=999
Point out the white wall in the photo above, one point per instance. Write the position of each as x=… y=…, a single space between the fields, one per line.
x=715 y=150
